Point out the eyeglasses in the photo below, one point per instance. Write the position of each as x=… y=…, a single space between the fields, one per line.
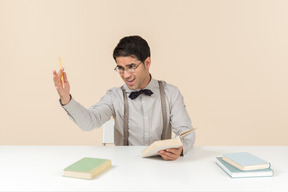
x=130 y=68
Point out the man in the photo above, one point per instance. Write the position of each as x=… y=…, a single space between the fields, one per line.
x=144 y=109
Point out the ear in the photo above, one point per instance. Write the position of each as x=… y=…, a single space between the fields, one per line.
x=147 y=62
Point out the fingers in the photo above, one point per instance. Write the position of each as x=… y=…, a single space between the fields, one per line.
x=171 y=154
x=57 y=78
x=65 y=77
x=168 y=156
x=165 y=156
x=175 y=151
x=63 y=89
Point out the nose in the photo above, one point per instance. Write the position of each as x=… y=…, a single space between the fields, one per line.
x=126 y=74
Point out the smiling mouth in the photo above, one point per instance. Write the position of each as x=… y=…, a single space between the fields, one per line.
x=130 y=81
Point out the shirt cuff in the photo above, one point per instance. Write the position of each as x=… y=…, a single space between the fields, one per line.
x=67 y=103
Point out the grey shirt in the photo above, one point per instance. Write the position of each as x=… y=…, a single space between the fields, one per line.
x=145 y=114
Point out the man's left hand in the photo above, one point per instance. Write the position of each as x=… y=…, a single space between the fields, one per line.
x=171 y=154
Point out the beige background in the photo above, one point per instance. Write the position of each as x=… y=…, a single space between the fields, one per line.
x=228 y=58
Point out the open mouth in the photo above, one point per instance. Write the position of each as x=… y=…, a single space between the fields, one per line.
x=130 y=82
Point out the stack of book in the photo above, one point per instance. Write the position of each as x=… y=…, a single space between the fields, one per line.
x=244 y=164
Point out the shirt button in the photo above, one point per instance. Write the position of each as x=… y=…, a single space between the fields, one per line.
x=145 y=117
x=143 y=102
x=146 y=134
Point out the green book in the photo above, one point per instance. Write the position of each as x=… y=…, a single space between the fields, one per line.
x=87 y=168
x=235 y=172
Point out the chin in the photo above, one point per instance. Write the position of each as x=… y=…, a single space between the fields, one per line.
x=132 y=88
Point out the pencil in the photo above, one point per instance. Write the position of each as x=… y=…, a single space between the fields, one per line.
x=62 y=78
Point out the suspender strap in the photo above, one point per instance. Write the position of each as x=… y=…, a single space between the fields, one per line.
x=126 y=117
x=166 y=132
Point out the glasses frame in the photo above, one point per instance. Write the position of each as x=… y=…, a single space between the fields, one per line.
x=127 y=69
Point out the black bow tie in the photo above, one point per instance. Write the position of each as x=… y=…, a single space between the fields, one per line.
x=135 y=94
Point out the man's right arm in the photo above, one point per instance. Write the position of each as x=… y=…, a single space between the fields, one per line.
x=94 y=117
x=86 y=119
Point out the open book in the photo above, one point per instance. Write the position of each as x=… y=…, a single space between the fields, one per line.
x=152 y=150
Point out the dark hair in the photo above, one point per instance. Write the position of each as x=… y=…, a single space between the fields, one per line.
x=134 y=46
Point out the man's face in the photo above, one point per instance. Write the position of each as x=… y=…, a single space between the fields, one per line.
x=138 y=79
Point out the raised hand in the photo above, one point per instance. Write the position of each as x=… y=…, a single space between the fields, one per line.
x=63 y=90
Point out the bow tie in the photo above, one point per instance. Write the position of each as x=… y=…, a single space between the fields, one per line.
x=135 y=94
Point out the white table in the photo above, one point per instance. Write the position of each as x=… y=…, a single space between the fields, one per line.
x=40 y=168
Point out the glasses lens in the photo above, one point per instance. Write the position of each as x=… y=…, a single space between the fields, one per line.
x=130 y=70
x=119 y=69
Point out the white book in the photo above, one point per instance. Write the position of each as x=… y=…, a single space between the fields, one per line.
x=246 y=161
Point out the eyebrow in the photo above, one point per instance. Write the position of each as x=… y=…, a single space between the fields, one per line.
x=126 y=65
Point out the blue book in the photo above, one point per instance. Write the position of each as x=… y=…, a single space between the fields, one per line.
x=245 y=161
x=237 y=173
